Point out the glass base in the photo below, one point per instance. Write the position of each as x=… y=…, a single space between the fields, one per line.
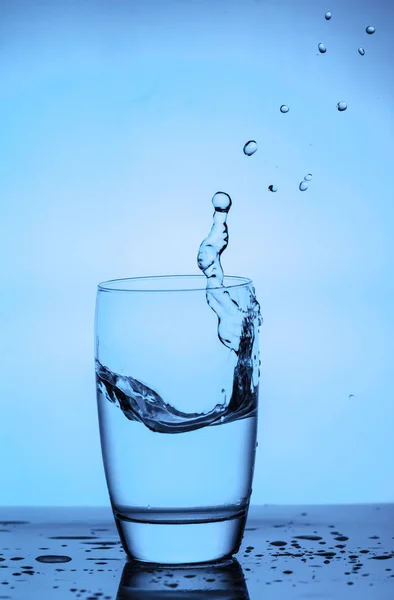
x=181 y=537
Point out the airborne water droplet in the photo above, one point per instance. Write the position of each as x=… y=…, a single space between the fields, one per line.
x=272 y=188
x=341 y=106
x=303 y=186
x=221 y=201
x=308 y=177
x=361 y=51
x=322 y=48
x=284 y=108
x=328 y=16
x=370 y=29
x=250 y=147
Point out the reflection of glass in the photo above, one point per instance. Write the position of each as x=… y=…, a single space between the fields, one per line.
x=216 y=582
x=178 y=414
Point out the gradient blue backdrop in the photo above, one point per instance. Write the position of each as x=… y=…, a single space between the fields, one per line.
x=119 y=120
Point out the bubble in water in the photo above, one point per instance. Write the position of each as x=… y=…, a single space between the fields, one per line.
x=272 y=188
x=303 y=186
x=308 y=177
x=322 y=48
x=221 y=202
x=250 y=147
x=328 y=16
x=341 y=106
x=284 y=108
x=370 y=29
x=361 y=51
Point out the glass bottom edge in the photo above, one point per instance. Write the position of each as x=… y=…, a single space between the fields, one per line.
x=180 y=542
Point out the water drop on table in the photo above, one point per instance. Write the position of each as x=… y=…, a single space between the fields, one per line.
x=341 y=106
x=278 y=543
x=284 y=108
x=250 y=147
x=53 y=558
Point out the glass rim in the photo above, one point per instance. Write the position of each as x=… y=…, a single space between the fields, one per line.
x=120 y=285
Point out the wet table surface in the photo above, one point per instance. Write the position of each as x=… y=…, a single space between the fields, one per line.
x=287 y=552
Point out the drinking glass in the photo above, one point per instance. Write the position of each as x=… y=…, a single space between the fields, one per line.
x=178 y=415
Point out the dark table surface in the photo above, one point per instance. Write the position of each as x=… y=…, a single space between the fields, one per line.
x=288 y=552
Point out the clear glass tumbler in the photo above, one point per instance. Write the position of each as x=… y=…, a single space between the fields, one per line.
x=178 y=416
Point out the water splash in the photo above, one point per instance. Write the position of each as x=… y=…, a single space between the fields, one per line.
x=238 y=322
x=232 y=318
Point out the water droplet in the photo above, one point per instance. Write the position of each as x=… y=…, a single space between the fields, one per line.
x=278 y=543
x=53 y=558
x=370 y=29
x=250 y=147
x=351 y=395
x=303 y=186
x=284 y=108
x=221 y=202
x=341 y=106
x=71 y=537
x=308 y=177
x=272 y=188
x=328 y=16
x=322 y=48
x=361 y=51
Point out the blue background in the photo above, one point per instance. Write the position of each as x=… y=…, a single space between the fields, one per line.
x=119 y=121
